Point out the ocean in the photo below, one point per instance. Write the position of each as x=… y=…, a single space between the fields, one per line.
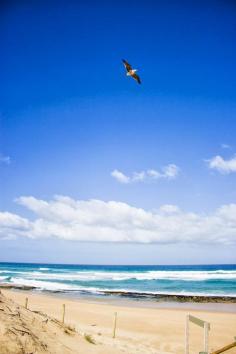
x=219 y=280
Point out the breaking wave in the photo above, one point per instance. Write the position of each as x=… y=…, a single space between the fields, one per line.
x=61 y=287
x=121 y=276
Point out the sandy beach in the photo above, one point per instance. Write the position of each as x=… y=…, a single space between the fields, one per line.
x=140 y=329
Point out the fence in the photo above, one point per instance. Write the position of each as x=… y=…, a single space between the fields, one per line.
x=205 y=325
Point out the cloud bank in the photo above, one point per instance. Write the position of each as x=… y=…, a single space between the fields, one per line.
x=170 y=171
x=221 y=165
x=100 y=221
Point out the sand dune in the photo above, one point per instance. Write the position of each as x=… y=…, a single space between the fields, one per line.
x=139 y=329
x=23 y=331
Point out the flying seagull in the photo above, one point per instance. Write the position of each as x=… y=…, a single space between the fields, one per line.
x=131 y=72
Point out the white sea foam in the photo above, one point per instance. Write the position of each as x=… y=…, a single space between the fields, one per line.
x=54 y=286
x=43 y=285
x=122 y=276
x=44 y=268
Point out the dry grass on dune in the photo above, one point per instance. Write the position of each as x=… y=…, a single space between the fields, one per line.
x=32 y=332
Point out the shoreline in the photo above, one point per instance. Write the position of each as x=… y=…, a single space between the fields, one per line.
x=129 y=302
x=131 y=295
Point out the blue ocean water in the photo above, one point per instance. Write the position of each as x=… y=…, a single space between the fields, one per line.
x=197 y=279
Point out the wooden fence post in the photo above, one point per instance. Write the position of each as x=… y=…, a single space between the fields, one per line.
x=26 y=302
x=114 y=328
x=187 y=335
x=206 y=328
x=63 y=313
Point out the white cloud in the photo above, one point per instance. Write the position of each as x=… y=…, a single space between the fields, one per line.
x=170 y=171
x=120 y=177
x=12 y=225
x=169 y=208
x=99 y=221
x=5 y=159
x=223 y=166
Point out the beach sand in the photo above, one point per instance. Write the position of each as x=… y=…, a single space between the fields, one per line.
x=140 y=329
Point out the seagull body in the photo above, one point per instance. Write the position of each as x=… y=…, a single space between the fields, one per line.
x=131 y=72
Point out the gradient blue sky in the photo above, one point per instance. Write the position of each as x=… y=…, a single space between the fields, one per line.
x=70 y=116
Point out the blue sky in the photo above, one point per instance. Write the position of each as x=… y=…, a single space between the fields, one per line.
x=70 y=117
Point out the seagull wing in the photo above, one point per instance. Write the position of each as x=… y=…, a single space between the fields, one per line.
x=136 y=77
x=127 y=65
